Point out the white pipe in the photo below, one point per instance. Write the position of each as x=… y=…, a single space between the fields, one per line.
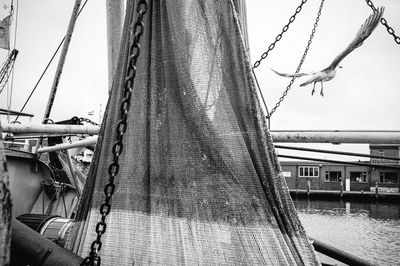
x=65 y=146
x=50 y=129
x=281 y=136
x=337 y=137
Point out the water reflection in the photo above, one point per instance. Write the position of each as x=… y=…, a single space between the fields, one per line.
x=373 y=210
x=370 y=231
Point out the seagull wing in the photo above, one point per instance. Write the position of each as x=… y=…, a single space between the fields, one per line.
x=295 y=75
x=366 y=29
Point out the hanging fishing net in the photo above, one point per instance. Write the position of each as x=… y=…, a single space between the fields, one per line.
x=199 y=182
x=5 y=209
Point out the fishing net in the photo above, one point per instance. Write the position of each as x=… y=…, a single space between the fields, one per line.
x=199 y=182
x=5 y=209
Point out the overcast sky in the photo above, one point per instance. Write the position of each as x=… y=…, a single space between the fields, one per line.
x=364 y=94
x=83 y=84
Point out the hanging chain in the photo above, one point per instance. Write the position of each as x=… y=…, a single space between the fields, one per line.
x=384 y=22
x=279 y=36
x=301 y=61
x=87 y=120
x=105 y=208
x=271 y=47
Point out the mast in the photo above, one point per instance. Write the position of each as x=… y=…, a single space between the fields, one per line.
x=115 y=13
x=61 y=62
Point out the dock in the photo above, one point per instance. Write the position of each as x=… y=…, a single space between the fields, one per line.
x=360 y=196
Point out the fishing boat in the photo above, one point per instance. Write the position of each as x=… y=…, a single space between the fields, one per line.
x=184 y=169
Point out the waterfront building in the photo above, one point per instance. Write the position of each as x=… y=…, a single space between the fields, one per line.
x=337 y=176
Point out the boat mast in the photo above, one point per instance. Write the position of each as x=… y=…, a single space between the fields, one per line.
x=60 y=65
x=115 y=13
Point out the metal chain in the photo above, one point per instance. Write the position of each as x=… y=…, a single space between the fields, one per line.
x=301 y=61
x=113 y=169
x=87 y=120
x=279 y=36
x=389 y=29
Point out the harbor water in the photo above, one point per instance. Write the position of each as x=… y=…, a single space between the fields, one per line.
x=368 y=230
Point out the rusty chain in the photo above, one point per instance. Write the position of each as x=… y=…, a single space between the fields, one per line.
x=279 y=36
x=301 y=61
x=113 y=169
x=271 y=47
x=87 y=120
x=389 y=29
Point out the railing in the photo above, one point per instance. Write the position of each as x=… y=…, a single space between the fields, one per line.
x=338 y=254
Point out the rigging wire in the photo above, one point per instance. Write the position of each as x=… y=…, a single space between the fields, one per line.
x=48 y=64
x=15 y=43
x=5 y=72
x=9 y=87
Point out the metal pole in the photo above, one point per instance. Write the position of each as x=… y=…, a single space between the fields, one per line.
x=10 y=112
x=65 y=146
x=61 y=63
x=340 y=162
x=361 y=137
x=337 y=152
x=338 y=254
x=337 y=137
x=50 y=129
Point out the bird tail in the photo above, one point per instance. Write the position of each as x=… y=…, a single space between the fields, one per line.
x=295 y=75
x=306 y=83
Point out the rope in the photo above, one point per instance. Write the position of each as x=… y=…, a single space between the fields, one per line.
x=48 y=64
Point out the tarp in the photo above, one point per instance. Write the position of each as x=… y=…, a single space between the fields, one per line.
x=199 y=182
x=5 y=33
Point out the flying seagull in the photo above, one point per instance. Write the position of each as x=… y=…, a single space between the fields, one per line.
x=329 y=73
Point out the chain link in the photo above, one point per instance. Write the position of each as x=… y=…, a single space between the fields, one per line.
x=105 y=208
x=279 y=36
x=87 y=120
x=389 y=29
x=301 y=61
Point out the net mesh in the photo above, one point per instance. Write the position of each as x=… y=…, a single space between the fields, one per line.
x=5 y=208
x=199 y=182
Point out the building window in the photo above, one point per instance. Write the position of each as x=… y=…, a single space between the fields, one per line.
x=383 y=161
x=308 y=171
x=388 y=177
x=333 y=176
x=358 y=176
